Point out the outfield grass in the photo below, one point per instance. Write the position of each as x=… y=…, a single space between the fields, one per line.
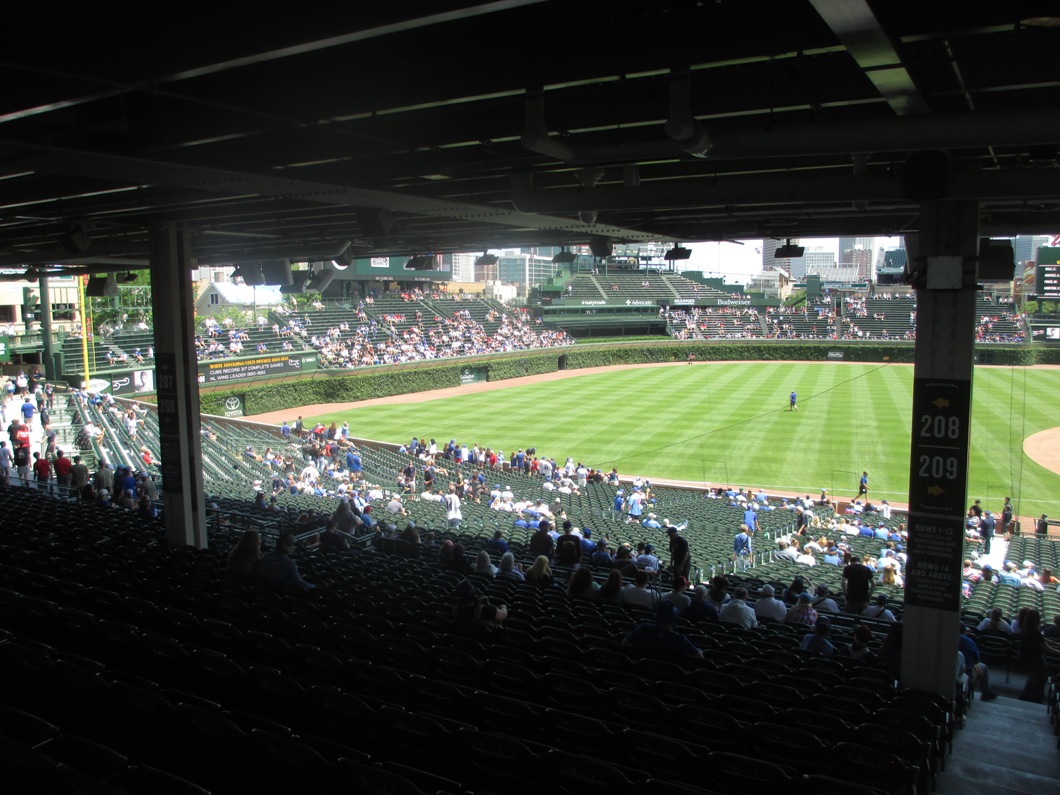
x=729 y=424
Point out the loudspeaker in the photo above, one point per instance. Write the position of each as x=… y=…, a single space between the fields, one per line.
x=96 y=287
x=421 y=262
x=298 y=283
x=320 y=280
x=277 y=271
x=601 y=246
x=997 y=262
x=250 y=273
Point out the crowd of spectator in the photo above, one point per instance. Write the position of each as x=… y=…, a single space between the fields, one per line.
x=392 y=339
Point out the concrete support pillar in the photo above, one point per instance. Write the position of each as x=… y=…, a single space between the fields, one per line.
x=944 y=275
x=49 y=362
x=176 y=380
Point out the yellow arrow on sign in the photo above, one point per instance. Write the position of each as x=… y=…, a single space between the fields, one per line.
x=935 y=491
x=940 y=403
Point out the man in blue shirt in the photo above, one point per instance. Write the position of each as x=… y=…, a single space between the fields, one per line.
x=792 y=402
x=28 y=410
x=817 y=641
x=741 y=548
x=285 y=431
x=750 y=517
x=986 y=530
x=497 y=545
x=601 y=557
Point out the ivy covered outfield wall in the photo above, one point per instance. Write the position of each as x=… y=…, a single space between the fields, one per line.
x=342 y=386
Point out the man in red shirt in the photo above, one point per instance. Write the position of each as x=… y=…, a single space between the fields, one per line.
x=62 y=466
x=42 y=472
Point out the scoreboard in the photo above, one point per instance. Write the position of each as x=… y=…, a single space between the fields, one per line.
x=1047 y=277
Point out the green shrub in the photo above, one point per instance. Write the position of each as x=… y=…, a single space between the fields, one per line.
x=335 y=386
x=519 y=366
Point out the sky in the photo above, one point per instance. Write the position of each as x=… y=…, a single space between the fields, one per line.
x=737 y=263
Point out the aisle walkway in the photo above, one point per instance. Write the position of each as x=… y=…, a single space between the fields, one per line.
x=1006 y=746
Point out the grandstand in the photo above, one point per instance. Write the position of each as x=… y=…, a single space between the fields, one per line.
x=97 y=610
x=165 y=642
x=342 y=143
x=879 y=318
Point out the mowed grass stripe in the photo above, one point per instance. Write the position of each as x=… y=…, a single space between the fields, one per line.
x=997 y=431
x=728 y=423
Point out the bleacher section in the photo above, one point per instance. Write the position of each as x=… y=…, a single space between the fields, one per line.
x=231 y=473
x=236 y=455
x=998 y=322
x=806 y=322
x=662 y=288
x=215 y=342
x=640 y=285
x=391 y=329
x=687 y=288
x=711 y=323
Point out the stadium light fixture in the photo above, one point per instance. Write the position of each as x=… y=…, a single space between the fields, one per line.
x=564 y=257
x=487 y=259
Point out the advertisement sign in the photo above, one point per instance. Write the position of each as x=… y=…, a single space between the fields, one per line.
x=132 y=382
x=264 y=366
x=735 y=301
x=233 y=406
x=5 y=348
x=472 y=375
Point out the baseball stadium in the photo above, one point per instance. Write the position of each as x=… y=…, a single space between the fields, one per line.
x=620 y=397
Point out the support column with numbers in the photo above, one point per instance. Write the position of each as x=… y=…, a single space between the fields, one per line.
x=944 y=271
x=176 y=379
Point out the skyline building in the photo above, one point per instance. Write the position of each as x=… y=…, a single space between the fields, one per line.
x=794 y=266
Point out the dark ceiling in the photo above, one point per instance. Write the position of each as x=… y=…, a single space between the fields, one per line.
x=407 y=128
